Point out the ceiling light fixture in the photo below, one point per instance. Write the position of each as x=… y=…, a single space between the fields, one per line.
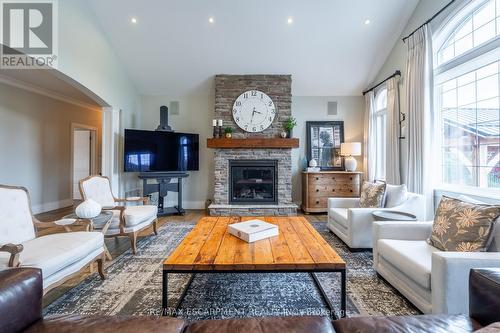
x=367 y=21
x=211 y=20
x=133 y=20
x=290 y=20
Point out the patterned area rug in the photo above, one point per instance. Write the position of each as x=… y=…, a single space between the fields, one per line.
x=133 y=287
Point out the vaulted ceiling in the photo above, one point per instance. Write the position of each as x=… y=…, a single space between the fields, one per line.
x=173 y=48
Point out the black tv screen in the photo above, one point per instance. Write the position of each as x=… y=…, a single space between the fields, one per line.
x=151 y=151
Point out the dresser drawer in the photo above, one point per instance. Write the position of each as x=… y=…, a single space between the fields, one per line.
x=333 y=178
x=319 y=202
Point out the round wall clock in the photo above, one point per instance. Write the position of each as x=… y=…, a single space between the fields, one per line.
x=254 y=111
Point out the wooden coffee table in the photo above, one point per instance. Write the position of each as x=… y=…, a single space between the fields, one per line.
x=209 y=248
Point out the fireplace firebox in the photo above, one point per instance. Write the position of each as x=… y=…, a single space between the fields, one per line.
x=253 y=182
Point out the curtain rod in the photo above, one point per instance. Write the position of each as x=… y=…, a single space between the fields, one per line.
x=396 y=73
x=429 y=20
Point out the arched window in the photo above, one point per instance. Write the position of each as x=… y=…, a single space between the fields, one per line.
x=467 y=96
x=380 y=132
x=479 y=27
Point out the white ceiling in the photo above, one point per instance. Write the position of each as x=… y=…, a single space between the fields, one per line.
x=173 y=49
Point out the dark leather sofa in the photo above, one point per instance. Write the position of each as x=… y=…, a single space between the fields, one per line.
x=21 y=311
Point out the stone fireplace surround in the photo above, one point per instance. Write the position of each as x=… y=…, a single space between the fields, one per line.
x=227 y=89
x=221 y=206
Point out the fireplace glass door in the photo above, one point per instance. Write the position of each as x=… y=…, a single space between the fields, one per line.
x=253 y=182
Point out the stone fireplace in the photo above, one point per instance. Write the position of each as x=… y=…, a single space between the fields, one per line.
x=263 y=183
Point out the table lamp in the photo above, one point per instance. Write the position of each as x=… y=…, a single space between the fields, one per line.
x=348 y=150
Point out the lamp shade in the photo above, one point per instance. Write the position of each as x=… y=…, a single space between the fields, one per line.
x=350 y=149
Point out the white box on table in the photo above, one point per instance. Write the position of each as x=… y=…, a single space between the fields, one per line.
x=253 y=230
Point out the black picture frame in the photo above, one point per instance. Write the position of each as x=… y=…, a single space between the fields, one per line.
x=323 y=144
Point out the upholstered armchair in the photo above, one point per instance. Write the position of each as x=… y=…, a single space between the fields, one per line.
x=434 y=281
x=127 y=220
x=354 y=225
x=58 y=255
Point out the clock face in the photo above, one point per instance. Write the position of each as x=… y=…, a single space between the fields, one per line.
x=254 y=111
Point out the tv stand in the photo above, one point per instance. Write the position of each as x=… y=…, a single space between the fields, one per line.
x=163 y=185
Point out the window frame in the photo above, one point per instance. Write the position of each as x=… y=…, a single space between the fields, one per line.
x=469 y=61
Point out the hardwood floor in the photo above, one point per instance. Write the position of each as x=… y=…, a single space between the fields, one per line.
x=119 y=245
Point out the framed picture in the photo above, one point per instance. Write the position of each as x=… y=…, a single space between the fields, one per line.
x=323 y=143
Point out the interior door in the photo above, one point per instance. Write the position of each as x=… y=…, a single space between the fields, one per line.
x=82 y=159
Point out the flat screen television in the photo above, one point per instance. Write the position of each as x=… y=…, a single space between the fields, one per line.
x=155 y=151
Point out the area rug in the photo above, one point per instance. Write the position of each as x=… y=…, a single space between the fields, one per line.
x=133 y=287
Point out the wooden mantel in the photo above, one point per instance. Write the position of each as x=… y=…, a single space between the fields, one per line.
x=256 y=143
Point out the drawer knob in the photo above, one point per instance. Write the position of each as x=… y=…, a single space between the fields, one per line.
x=351 y=190
x=333 y=190
x=351 y=178
x=317 y=202
x=317 y=190
x=317 y=178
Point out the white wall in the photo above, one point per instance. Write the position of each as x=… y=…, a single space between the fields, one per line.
x=397 y=59
x=196 y=114
x=350 y=109
x=87 y=56
x=35 y=145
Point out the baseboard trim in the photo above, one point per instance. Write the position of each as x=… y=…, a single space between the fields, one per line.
x=186 y=204
x=48 y=206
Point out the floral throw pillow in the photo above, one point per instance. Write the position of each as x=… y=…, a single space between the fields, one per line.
x=462 y=226
x=372 y=195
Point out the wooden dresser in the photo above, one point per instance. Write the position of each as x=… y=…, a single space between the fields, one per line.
x=317 y=187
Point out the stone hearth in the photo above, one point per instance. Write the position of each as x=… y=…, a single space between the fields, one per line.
x=227 y=89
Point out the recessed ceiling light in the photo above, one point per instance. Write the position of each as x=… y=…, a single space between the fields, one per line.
x=133 y=20
x=211 y=20
x=290 y=20
x=367 y=21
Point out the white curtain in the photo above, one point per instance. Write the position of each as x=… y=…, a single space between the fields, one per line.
x=369 y=159
x=419 y=88
x=392 y=168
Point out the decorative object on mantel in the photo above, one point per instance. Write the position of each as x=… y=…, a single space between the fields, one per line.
x=221 y=130
x=254 y=111
x=283 y=134
x=348 y=150
x=88 y=209
x=323 y=143
x=228 y=132
x=255 y=143
x=253 y=230
x=288 y=125
x=215 y=130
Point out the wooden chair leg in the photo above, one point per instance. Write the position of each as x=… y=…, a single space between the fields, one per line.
x=100 y=266
x=155 y=227
x=133 y=241
x=107 y=255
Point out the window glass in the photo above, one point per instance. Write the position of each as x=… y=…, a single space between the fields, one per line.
x=469 y=109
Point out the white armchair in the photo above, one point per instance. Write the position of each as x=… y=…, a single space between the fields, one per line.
x=127 y=220
x=434 y=281
x=354 y=225
x=58 y=255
